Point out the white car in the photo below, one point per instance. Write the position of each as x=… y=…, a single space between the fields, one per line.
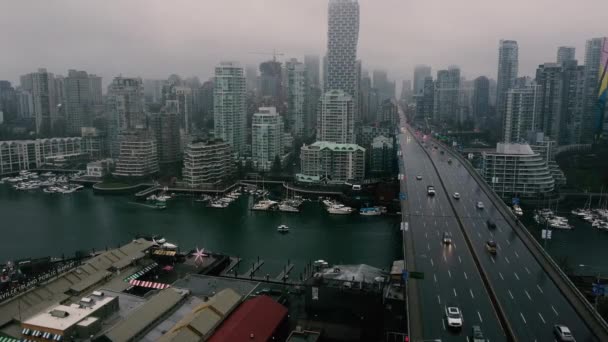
x=563 y=333
x=454 y=317
x=419 y=177
x=456 y=195
x=480 y=205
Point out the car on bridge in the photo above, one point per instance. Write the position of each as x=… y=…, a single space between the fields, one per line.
x=447 y=238
x=419 y=177
x=477 y=334
x=491 y=246
x=430 y=190
x=563 y=333
x=453 y=316
x=491 y=224
x=449 y=160
x=456 y=195
x=480 y=205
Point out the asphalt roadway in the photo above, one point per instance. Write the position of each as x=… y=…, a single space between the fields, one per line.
x=530 y=300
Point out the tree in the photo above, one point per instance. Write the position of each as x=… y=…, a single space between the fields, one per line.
x=276 y=165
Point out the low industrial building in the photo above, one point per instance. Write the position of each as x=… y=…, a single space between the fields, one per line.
x=331 y=162
x=516 y=170
x=207 y=163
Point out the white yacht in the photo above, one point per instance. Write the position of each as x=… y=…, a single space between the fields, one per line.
x=288 y=208
x=517 y=210
x=371 y=211
x=264 y=205
x=283 y=228
x=339 y=209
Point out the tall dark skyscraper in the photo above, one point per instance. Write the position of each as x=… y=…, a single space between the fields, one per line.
x=421 y=72
x=481 y=99
x=508 y=65
x=447 y=88
x=342 y=38
x=313 y=70
x=565 y=53
x=271 y=80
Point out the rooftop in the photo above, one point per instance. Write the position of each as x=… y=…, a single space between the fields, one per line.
x=334 y=146
x=72 y=314
x=518 y=149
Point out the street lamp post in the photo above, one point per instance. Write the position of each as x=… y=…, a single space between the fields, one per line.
x=598 y=280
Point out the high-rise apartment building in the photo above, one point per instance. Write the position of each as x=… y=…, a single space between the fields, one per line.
x=421 y=72
x=207 y=162
x=447 y=88
x=342 y=39
x=266 y=138
x=297 y=98
x=481 y=99
x=386 y=89
x=382 y=155
x=41 y=85
x=8 y=100
x=229 y=111
x=565 y=53
x=138 y=154
x=313 y=70
x=508 y=66
x=271 y=81
x=522 y=113
x=251 y=76
x=78 y=101
x=335 y=118
x=165 y=127
x=125 y=109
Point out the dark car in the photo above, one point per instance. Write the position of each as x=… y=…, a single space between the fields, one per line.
x=477 y=334
x=491 y=224
x=491 y=246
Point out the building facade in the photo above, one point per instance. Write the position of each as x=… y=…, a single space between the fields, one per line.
x=421 y=72
x=229 y=110
x=298 y=89
x=522 y=113
x=382 y=156
x=342 y=40
x=481 y=100
x=565 y=54
x=508 y=67
x=78 y=101
x=125 y=109
x=331 y=162
x=335 y=118
x=41 y=85
x=207 y=163
x=446 y=95
x=138 y=155
x=266 y=138
x=17 y=155
x=514 y=170
x=165 y=127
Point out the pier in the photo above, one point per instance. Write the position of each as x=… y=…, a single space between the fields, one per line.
x=254 y=268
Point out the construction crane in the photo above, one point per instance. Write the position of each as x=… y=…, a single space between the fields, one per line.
x=274 y=54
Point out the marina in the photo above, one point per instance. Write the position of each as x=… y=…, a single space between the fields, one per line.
x=49 y=182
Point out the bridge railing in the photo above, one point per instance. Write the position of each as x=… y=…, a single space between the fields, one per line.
x=592 y=318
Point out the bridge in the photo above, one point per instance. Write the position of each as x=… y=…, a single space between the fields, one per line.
x=516 y=295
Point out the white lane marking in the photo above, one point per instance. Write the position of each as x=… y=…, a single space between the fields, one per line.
x=438 y=299
x=539 y=289
x=501 y=277
x=468 y=339
x=517 y=255
x=527 y=270
x=508 y=242
x=444 y=258
x=435 y=277
x=471 y=292
x=426 y=235
x=459 y=260
x=527 y=294
x=516 y=276
x=443 y=323
x=552 y=308
x=479 y=235
x=522 y=317
x=465 y=276
x=455 y=295
x=510 y=294
x=454 y=245
x=428 y=246
x=450 y=273
x=479 y=315
x=432 y=264
x=542 y=318
x=493 y=261
x=507 y=259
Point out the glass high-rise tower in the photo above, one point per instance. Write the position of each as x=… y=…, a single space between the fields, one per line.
x=342 y=38
x=229 y=111
x=508 y=65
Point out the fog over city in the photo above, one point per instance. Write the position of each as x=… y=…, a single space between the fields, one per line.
x=156 y=38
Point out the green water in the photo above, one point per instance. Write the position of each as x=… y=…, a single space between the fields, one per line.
x=35 y=224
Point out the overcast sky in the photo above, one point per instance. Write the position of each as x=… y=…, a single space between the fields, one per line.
x=154 y=38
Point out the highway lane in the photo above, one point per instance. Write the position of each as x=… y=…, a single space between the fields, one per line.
x=531 y=300
x=451 y=277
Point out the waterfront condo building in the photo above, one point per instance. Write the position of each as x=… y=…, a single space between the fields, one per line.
x=17 y=155
x=229 y=110
x=125 y=109
x=138 y=154
x=207 y=163
x=522 y=113
x=165 y=127
x=516 y=170
x=335 y=119
x=330 y=162
x=266 y=138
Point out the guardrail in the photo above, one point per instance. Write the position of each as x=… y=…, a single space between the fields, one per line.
x=590 y=316
x=500 y=311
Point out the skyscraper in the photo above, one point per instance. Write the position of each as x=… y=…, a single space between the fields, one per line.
x=447 y=87
x=41 y=85
x=313 y=70
x=565 y=53
x=335 y=120
x=266 y=138
x=342 y=38
x=229 y=111
x=125 y=109
x=78 y=101
x=297 y=97
x=8 y=100
x=271 y=80
x=165 y=127
x=592 y=123
x=406 y=90
x=521 y=113
x=421 y=72
x=508 y=65
x=481 y=99
x=426 y=99
x=386 y=89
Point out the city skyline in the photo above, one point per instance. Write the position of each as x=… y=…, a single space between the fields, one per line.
x=149 y=50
